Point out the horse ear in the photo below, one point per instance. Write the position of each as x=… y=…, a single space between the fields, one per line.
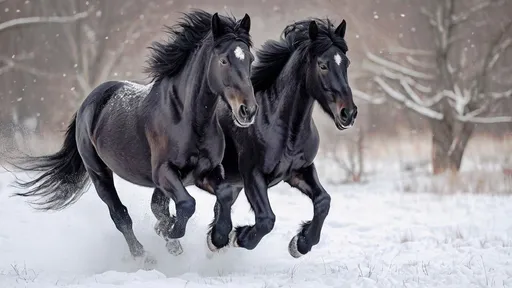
x=216 y=26
x=313 y=30
x=340 y=31
x=246 y=23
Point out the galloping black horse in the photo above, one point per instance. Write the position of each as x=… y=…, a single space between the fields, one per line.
x=165 y=134
x=309 y=64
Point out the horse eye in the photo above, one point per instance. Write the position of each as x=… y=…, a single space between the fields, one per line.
x=223 y=61
x=323 y=67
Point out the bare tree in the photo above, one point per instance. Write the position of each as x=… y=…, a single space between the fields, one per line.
x=348 y=153
x=15 y=62
x=96 y=46
x=454 y=87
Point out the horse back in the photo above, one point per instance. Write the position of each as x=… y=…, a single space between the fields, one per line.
x=112 y=120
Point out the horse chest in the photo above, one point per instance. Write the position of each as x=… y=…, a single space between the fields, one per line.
x=283 y=166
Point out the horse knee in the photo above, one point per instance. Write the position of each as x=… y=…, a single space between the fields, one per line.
x=265 y=224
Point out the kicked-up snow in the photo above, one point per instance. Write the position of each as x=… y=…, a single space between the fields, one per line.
x=374 y=236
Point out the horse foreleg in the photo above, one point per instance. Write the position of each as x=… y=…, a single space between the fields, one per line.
x=170 y=184
x=255 y=188
x=306 y=180
x=218 y=235
x=220 y=229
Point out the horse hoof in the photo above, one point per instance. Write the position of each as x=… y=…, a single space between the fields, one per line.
x=174 y=247
x=233 y=239
x=293 y=248
x=209 y=242
x=146 y=260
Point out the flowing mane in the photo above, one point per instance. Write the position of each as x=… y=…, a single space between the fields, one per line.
x=168 y=58
x=274 y=55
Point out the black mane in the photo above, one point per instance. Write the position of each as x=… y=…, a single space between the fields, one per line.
x=274 y=55
x=168 y=58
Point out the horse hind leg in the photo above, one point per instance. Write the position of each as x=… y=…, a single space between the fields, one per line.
x=103 y=180
x=163 y=227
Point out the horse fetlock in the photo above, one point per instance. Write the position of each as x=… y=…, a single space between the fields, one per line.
x=185 y=209
x=265 y=225
x=136 y=249
x=163 y=227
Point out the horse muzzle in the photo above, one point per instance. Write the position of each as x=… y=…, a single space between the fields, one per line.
x=243 y=107
x=345 y=118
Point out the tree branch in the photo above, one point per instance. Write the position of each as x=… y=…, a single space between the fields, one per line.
x=366 y=97
x=462 y=17
x=11 y=64
x=485 y=120
x=40 y=19
x=406 y=102
x=393 y=66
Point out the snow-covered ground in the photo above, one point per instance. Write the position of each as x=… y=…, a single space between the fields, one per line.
x=374 y=236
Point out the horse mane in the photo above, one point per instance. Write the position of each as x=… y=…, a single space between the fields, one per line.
x=273 y=55
x=168 y=58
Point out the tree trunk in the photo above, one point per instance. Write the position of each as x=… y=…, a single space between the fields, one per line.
x=449 y=144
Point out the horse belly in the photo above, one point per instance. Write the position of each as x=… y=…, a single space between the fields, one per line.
x=129 y=160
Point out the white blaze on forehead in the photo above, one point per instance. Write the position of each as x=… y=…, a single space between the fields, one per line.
x=337 y=59
x=239 y=53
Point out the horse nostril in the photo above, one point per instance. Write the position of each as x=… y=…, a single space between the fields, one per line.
x=344 y=114
x=354 y=115
x=243 y=111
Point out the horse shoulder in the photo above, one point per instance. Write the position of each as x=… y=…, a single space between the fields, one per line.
x=312 y=144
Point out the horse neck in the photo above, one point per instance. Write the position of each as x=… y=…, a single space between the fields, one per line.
x=199 y=101
x=294 y=102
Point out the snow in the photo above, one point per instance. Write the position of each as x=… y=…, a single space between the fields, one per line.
x=374 y=236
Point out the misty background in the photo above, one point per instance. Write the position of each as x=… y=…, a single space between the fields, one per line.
x=432 y=79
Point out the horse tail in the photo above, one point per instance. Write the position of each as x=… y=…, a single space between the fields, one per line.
x=65 y=177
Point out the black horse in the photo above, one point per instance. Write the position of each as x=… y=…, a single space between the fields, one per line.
x=165 y=134
x=309 y=64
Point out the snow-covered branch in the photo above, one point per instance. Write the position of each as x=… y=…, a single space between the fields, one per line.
x=500 y=95
x=366 y=97
x=41 y=19
x=10 y=64
x=412 y=52
x=397 y=67
x=396 y=95
x=420 y=64
x=485 y=120
x=461 y=17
